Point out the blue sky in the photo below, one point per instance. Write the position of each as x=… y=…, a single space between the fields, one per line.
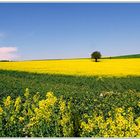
x=68 y=30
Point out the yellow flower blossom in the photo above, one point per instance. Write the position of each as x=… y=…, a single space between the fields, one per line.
x=42 y=104
x=138 y=104
x=51 y=99
x=21 y=119
x=49 y=94
x=62 y=106
x=12 y=118
x=36 y=97
x=7 y=102
x=122 y=123
x=17 y=103
x=26 y=94
x=119 y=110
x=1 y=110
x=118 y=126
x=106 y=67
x=129 y=109
x=64 y=120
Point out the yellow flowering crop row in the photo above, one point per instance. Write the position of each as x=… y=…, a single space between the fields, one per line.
x=53 y=117
x=31 y=117
x=121 y=124
x=109 y=67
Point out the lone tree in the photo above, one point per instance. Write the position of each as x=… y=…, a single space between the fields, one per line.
x=96 y=55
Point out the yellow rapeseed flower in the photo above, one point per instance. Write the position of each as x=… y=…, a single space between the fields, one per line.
x=62 y=106
x=118 y=126
x=12 y=118
x=51 y=99
x=7 y=102
x=64 y=120
x=36 y=97
x=138 y=104
x=21 y=119
x=119 y=110
x=106 y=67
x=26 y=94
x=49 y=95
x=17 y=103
x=42 y=104
x=1 y=110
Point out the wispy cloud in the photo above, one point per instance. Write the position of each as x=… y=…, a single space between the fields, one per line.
x=8 y=53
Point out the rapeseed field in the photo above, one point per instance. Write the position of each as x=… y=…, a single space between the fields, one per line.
x=86 y=67
x=83 y=99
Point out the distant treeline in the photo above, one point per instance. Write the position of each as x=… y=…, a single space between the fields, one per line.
x=4 y=60
x=123 y=56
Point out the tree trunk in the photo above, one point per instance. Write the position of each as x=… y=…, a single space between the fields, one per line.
x=95 y=59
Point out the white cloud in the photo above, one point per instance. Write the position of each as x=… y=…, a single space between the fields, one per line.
x=8 y=53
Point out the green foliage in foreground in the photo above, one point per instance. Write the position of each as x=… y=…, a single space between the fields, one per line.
x=101 y=94
x=29 y=116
